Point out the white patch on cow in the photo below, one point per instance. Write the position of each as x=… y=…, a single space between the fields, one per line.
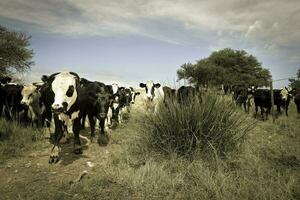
x=60 y=86
x=115 y=105
x=132 y=96
x=284 y=93
x=68 y=121
x=115 y=88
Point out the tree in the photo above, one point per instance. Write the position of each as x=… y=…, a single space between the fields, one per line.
x=295 y=83
x=15 y=54
x=227 y=67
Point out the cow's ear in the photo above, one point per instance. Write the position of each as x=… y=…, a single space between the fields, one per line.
x=157 y=85
x=45 y=78
x=121 y=88
x=7 y=79
x=142 y=85
x=137 y=93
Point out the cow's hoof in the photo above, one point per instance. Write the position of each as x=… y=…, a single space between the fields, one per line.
x=103 y=139
x=55 y=155
x=77 y=149
x=64 y=140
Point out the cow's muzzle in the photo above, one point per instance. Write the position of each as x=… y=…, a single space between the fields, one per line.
x=102 y=115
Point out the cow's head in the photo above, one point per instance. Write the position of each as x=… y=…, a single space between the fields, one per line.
x=133 y=95
x=5 y=80
x=102 y=100
x=64 y=86
x=30 y=95
x=285 y=93
x=150 y=87
x=115 y=88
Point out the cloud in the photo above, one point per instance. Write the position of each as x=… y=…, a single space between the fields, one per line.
x=100 y=17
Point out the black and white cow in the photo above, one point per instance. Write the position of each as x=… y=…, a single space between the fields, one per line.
x=64 y=87
x=31 y=97
x=154 y=95
x=133 y=95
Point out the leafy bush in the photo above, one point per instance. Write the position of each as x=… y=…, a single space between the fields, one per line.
x=211 y=124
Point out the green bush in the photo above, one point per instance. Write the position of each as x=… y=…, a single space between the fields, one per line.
x=211 y=125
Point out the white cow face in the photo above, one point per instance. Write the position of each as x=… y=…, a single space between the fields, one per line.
x=30 y=95
x=133 y=95
x=284 y=94
x=65 y=93
x=150 y=87
x=115 y=88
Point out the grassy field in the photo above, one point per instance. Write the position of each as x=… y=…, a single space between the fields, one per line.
x=265 y=166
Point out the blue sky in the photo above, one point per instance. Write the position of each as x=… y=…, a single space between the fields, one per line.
x=132 y=41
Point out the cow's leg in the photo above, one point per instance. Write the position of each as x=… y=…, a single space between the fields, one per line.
x=109 y=117
x=278 y=109
x=83 y=118
x=262 y=113
x=103 y=138
x=256 y=110
x=76 y=130
x=92 y=125
x=56 y=150
x=245 y=106
x=287 y=109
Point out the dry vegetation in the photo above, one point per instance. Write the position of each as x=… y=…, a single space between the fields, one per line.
x=264 y=165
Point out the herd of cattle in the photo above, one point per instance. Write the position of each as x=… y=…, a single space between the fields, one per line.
x=67 y=99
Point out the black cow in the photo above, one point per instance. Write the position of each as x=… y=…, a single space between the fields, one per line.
x=169 y=94
x=3 y=81
x=297 y=100
x=185 y=94
x=262 y=99
x=94 y=101
x=13 y=108
x=243 y=95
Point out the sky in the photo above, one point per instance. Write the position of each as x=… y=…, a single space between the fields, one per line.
x=132 y=41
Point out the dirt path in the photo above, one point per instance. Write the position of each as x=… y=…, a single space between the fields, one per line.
x=27 y=176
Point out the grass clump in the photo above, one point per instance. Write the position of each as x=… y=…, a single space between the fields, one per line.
x=212 y=125
x=15 y=139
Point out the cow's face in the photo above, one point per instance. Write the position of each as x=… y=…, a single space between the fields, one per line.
x=150 y=87
x=102 y=101
x=30 y=95
x=115 y=88
x=284 y=94
x=128 y=97
x=133 y=95
x=64 y=87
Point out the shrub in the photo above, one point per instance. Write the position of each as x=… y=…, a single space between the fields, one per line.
x=210 y=125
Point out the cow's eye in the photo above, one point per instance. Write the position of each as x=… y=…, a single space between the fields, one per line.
x=70 y=91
